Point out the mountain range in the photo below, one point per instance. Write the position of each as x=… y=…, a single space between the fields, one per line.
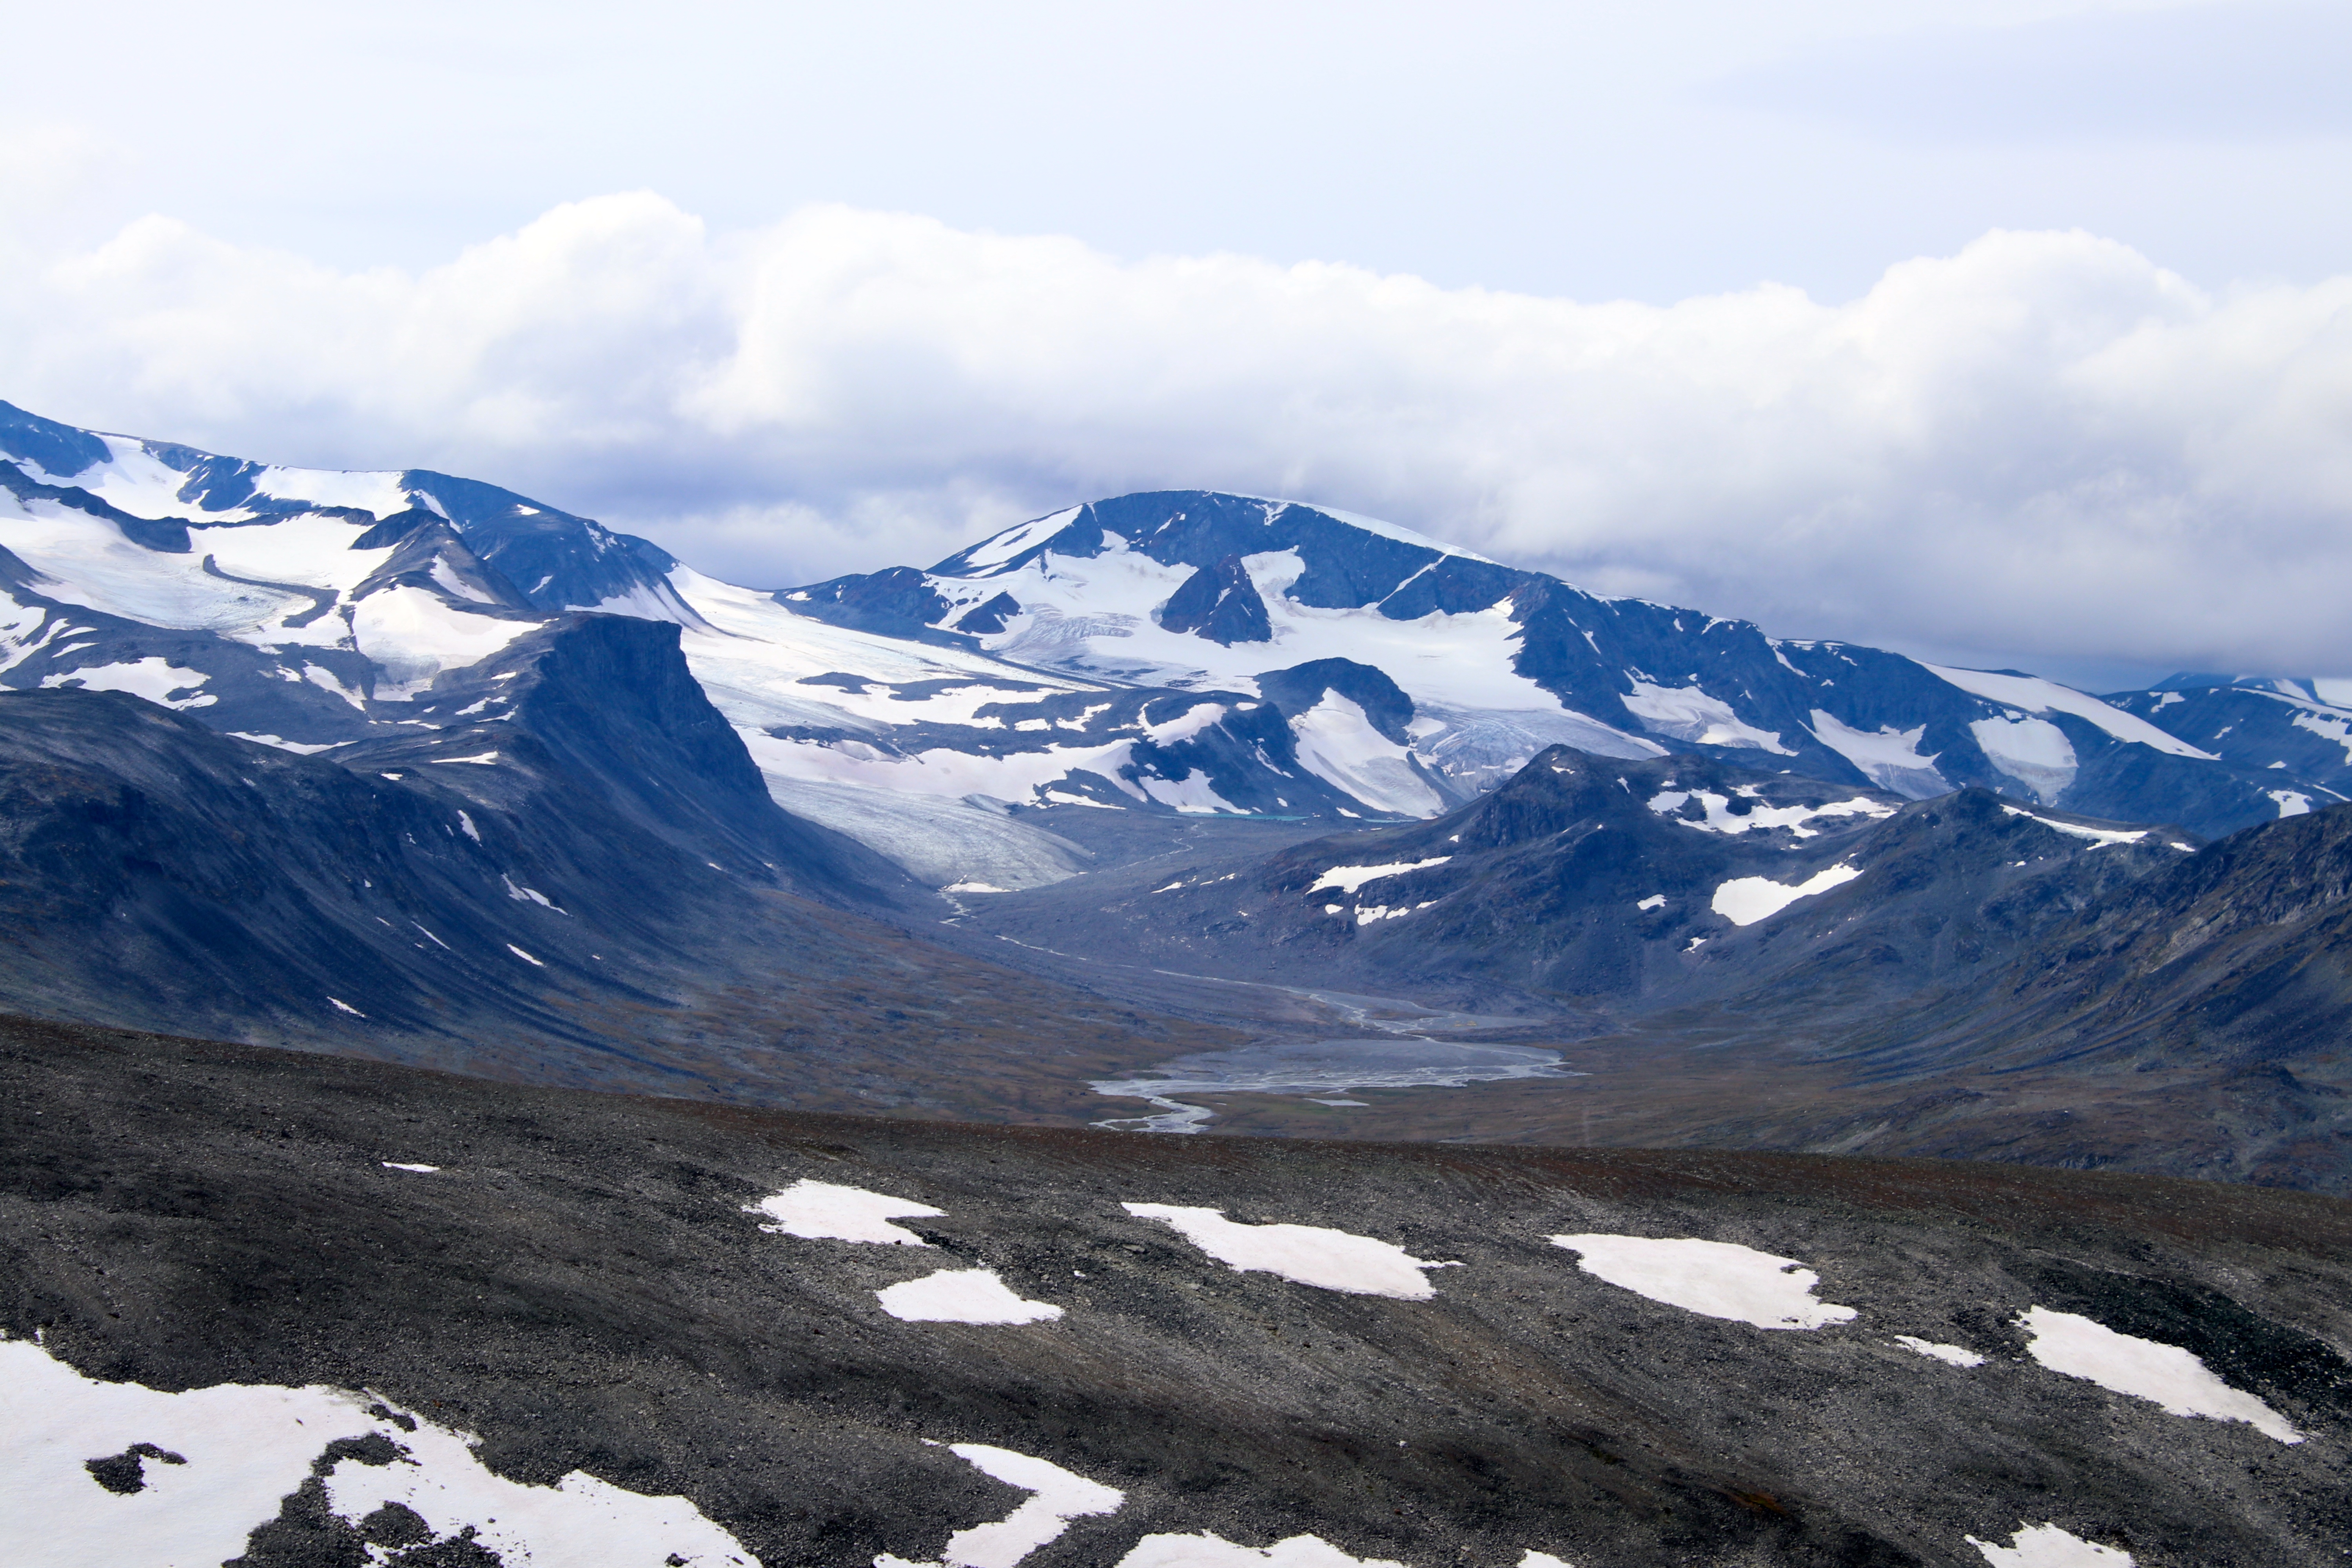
x=408 y=765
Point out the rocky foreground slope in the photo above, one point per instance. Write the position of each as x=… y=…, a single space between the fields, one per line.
x=267 y=1308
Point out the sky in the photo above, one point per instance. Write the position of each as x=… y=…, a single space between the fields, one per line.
x=2015 y=333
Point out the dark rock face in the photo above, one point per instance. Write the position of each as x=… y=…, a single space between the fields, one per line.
x=1220 y=603
x=60 y=449
x=578 y=877
x=579 y=1285
x=897 y=601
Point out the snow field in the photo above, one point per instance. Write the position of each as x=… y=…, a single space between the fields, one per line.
x=1714 y=1278
x=2124 y=1363
x=822 y=1211
x=962 y=1295
x=1057 y=1496
x=1307 y=1254
x=1688 y=713
x=1338 y=744
x=1744 y=900
x=152 y=677
x=1887 y=757
x=228 y=1455
x=2047 y=1546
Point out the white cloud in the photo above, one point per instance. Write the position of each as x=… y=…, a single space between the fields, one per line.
x=2043 y=447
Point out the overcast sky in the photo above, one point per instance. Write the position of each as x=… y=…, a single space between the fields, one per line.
x=2007 y=333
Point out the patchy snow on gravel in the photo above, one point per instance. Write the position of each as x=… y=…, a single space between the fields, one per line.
x=2047 y=1546
x=2144 y=1369
x=1208 y=1551
x=1307 y=1254
x=578 y=1519
x=117 y=1473
x=1714 y=1278
x=1057 y=1496
x=1956 y=1354
x=962 y=1295
x=822 y=1211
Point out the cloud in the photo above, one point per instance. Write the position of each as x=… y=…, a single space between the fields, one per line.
x=2044 y=449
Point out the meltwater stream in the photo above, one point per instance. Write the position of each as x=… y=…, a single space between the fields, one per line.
x=1318 y=1068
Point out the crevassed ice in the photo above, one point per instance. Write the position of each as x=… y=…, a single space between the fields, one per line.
x=962 y=1295
x=1714 y=1278
x=213 y=1464
x=2144 y=1369
x=822 y=1211
x=1208 y=1551
x=1308 y=1254
x=1057 y=1496
x=2047 y=1546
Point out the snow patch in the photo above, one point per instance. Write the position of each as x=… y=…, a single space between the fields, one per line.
x=1744 y=900
x=152 y=677
x=1887 y=757
x=211 y=1464
x=1719 y=817
x=402 y=1165
x=1057 y=1496
x=2291 y=802
x=1307 y=1254
x=2144 y=1369
x=2033 y=752
x=1348 y=878
x=822 y=1211
x=1714 y=1278
x=962 y=1295
x=1654 y=901
x=343 y=1006
x=524 y=956
x=2047 y=1546
x=1956 y=1354
x=1209 y=1551
x=2097 y=835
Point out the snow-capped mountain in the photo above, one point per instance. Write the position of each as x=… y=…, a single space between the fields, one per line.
x=2300 y=731
x=1183 y=652
x=1436 y=672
